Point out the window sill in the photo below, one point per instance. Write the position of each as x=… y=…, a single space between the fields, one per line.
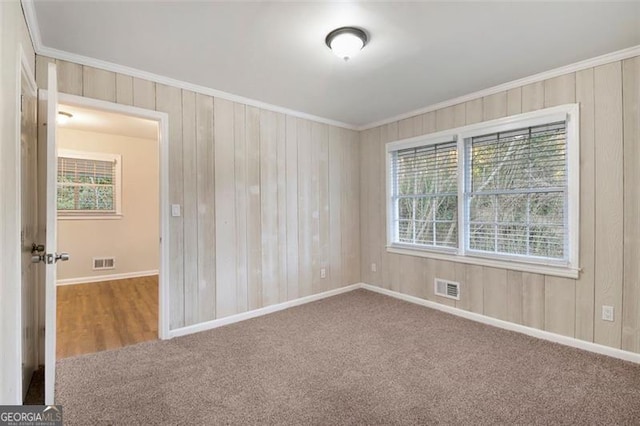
x=91 y=217
x=558 y=271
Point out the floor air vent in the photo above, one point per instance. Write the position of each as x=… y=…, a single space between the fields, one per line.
x=447 y=289
x=100 y=263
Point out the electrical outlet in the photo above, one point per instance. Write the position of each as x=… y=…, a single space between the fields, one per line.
x=374 y=267
x=323 y=273
x=175 y=210
x=607 y=313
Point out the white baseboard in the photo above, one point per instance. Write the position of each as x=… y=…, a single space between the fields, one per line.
x=101 y=278
x=534 y=332
x=183 y=331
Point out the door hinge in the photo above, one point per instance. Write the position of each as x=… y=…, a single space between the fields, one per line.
x=21 y=101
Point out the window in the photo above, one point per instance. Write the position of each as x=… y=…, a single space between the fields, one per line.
x=516 y=191
x=426 y=195
x=502 y=193
x=88 y=184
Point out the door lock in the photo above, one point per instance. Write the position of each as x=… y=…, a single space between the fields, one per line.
x=37 y=253
x=37 y=248
x=50 y=258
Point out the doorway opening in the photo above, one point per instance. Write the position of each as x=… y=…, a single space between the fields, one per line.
x=108 y=192
x=88 y=188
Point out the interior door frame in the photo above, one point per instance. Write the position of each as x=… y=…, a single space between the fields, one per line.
x=162 y=119
x=50 y=225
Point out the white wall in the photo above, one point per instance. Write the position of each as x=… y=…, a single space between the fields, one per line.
x=134 y=238
x=13 y=33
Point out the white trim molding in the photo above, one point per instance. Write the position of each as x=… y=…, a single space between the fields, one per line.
x=102 y=278
x=506 y=325
x=30 y=17
x=534 y=332
x=203 y=326
x=618 y=55
x=162 y=119
x=568 y=266
x=510 y=264
x=41 y=49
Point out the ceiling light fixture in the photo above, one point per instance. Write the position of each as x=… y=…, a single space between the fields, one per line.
x=346 y=41
x=64 y=117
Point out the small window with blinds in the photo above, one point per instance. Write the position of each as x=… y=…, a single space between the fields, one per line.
x=516 y=190
x=88 y=184
x=425 y=195
x=501 y=193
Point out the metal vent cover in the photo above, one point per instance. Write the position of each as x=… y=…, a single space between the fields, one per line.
x=100 y=263
x=446 y=288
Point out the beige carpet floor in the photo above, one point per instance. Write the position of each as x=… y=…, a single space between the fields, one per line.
x=356 y=358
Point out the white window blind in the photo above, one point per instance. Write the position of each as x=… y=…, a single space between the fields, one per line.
x=424 y=195
x=501 y=193
x=86 y=185
x=516 y=192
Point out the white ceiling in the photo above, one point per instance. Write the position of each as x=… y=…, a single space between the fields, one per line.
x=419 y=53
x=91 y=120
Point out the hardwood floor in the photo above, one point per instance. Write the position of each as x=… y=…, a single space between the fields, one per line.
x=107 y=315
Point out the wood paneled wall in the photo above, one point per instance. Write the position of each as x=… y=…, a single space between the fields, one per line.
x=267 y=199
x=609 y=98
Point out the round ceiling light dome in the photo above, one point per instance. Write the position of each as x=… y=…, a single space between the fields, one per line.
x=346 y=41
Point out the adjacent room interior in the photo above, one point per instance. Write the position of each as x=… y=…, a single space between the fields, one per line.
x=108 y=217
x=321 y=212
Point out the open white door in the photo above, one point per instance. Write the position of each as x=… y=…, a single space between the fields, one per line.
x=50 y=255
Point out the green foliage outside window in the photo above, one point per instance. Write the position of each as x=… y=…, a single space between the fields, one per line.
x=516 y=188
x=86 y=186
x=518 y=191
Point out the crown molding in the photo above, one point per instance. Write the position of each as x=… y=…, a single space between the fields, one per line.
x=545 y=75
x=32 y=23
x=133 y=72
x=40 y=49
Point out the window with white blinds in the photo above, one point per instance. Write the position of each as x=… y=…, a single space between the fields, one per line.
x=516 y=190
x=88 y=183
x=500 y=193
x=425 y=195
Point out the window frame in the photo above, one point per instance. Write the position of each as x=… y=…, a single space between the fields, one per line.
x=391 y=205
x=565 y=268
x=94 y=214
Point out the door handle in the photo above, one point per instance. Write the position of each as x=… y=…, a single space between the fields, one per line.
x=49 y=258
x=62 y=256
